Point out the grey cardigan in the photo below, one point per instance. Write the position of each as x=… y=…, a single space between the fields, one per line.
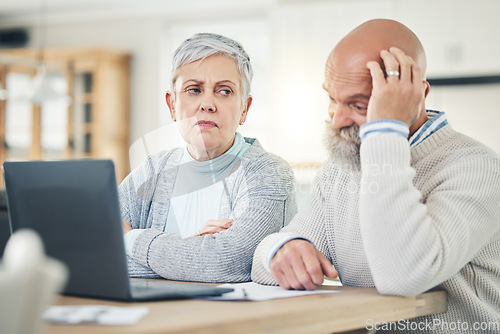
x=259 y=197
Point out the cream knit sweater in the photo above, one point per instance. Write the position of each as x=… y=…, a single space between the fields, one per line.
x=412 y=220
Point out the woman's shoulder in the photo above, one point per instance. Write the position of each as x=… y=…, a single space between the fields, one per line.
x=167 y=156
x=256 y=158
x=157 y=162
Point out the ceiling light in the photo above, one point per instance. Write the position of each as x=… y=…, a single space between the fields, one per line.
x=41 y=88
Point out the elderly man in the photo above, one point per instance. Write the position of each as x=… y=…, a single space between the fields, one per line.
x=404 y=203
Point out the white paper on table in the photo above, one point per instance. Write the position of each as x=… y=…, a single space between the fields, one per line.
x=95 y=314
x=257 y=292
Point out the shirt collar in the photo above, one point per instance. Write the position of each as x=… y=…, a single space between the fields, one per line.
x=437 y=119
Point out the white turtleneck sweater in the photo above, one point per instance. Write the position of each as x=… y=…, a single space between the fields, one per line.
x=413 y=219
x=197 y=192
x=198 y=189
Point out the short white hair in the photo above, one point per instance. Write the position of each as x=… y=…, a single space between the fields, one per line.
x=204 y=45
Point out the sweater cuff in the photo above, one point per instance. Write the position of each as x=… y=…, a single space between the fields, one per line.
x=384 y=126
x=130 y=238
x=278 y=245
x=142 y=244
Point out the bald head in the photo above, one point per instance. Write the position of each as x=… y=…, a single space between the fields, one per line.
x=349 y=82
x=365 y=42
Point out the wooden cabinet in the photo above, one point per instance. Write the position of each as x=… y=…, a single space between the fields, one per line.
x=94 y=123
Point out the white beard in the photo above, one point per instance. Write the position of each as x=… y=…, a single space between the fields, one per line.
x=343 y=145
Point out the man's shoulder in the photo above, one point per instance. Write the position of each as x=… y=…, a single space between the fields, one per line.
x=472 y=146
x=449 y=144
x=462 y=147
x=459 y=157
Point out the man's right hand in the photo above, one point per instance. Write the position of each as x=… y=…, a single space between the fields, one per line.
x=298 y=265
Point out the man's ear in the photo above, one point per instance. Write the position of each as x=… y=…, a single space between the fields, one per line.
x=170 y=103
x=427 y=88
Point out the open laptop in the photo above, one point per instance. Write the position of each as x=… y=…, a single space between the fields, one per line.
x=4 y=223
x=74 y=207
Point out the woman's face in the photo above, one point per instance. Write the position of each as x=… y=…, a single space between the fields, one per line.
x=207 y=105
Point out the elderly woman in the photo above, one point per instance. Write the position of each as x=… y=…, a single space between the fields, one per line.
x=197 y=213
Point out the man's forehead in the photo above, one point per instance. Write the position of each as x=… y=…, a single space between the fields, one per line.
x=336 y=77
x=352 y=82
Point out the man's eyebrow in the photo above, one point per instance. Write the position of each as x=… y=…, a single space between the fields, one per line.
x=360 y=96
x=353 y=97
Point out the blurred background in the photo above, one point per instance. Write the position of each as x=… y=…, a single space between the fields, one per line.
x=87 y=78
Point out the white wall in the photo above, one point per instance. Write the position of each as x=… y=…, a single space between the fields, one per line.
x=461 y=38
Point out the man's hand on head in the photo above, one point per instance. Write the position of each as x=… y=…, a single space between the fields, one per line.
x=396 y=97
x=298 y=265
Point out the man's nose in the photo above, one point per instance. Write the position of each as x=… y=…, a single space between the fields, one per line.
x=341 y=116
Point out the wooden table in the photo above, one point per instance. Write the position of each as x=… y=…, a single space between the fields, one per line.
x=324 y=313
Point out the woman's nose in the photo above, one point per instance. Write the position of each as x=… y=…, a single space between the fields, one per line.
x=208 y=106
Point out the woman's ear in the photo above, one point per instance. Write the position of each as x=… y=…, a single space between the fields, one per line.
x=170 y=103
x=247 y=105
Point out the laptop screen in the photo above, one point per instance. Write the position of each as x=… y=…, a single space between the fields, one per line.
x=74 y=207
x=4 y=223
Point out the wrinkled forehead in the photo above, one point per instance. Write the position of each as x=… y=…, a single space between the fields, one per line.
x=347 y=70
x=215 y=68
